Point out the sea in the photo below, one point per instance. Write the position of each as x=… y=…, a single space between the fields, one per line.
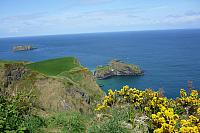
x=169 y=58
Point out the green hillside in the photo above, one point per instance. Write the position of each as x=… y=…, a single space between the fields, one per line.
x=54 y=67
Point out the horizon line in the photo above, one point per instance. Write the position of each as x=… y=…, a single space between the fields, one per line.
x=81 y=33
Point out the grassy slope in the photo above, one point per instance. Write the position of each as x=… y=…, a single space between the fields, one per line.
x=54 y=67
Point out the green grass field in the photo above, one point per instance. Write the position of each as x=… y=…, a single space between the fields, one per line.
x=54 y=67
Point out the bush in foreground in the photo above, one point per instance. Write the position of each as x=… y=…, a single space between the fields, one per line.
x=165 y=115
x=15 y=113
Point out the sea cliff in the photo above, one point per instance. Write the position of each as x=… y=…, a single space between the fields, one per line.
x=59 y=84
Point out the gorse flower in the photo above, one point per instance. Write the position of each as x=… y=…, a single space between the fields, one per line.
x=183 y=93
x=198 y=111
x=167 y=115
x=194 y=93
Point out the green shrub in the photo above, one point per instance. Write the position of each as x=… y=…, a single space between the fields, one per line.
x=13 y=109
x=75 y=124
x=34 y=123
x=112 y=123
x=68 y=122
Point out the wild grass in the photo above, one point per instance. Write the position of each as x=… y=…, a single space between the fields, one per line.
x=54 y=67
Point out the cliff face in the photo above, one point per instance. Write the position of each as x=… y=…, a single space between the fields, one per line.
x=13 y=72
x=75 y=89
x=117 y=68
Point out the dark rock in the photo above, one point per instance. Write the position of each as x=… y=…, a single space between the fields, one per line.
x=74 y=91
x=13 y=72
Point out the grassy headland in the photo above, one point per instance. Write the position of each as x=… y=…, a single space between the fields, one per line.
x=54 y=67
x=57 y=85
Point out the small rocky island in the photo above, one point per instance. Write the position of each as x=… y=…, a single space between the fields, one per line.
x=22 y=48
x=117 y=68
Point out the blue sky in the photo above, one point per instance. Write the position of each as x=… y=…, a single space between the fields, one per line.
x=45 y=17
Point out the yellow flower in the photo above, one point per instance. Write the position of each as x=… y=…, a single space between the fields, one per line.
x=161 y=120
x=137 y=104
x=158 y=130
x=147 y=109
x=165 y=126
x=195 y=129
x=159 y=114
x=176 y=117
x=194 y=93
x=110 y=92
x=193 y=118
x=171 y=129
x=198 y=111
x=162 y=115
x=126 y=87
x=172 y=122
x=184 y=130
x=168 y=113
x=100 y=107
x=153 y=116
x=184 y=123
x=198 y=125
x=163 y=108
x=183 y=93
x=155 y=94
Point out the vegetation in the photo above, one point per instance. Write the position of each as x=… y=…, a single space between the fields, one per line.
x=32 y=104
x=15 y=112
x=3 y=62
x=117 y=68
x=124 y=111
x=54 y=67
x=64 y=122
x=71 y=90
x=165 y=115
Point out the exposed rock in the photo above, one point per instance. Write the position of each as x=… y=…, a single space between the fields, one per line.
x=117 y=68
x=74 y=91
x=23 y=48
x=127 y=125
x=13 y=72
x=141 y=125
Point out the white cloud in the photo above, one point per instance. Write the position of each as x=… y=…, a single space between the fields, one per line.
x=187 y=17
x=68 y=21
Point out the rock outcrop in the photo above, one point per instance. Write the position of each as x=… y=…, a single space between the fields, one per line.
x=117 y=68
x=13 y=72
x=23 y=48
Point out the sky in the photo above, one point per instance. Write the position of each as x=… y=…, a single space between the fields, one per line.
x=49 y=17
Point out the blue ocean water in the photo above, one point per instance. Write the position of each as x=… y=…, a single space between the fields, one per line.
x=169 y=58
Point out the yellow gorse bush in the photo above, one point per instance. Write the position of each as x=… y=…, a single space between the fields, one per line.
x=167 y=115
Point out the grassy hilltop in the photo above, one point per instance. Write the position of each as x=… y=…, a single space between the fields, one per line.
x=54 y=67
